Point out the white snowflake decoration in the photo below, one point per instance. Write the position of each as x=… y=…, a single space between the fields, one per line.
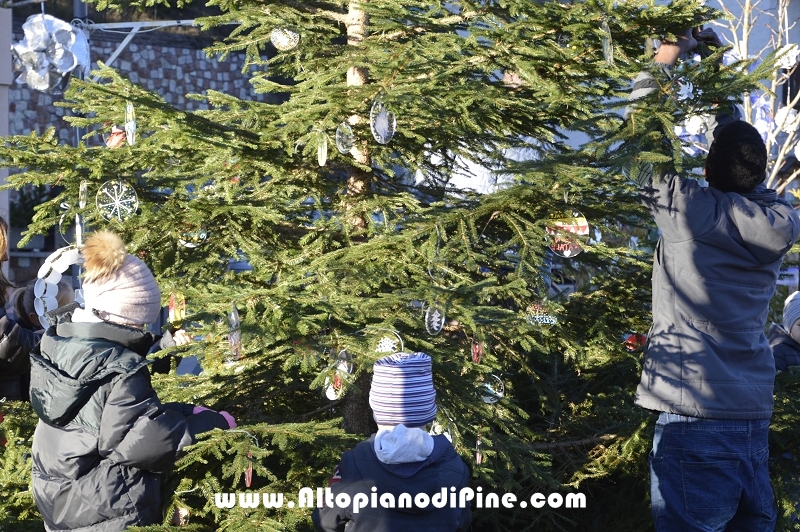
x=685 y=90
x=789 y=55
x=386 y=345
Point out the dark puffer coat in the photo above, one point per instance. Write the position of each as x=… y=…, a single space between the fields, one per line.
x=104 y=439
x=16 y=343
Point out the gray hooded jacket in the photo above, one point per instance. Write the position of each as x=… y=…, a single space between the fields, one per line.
x=714 y=274
x=104 y=439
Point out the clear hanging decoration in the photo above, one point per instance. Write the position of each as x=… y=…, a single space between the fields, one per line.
x=537 y=314
x=116 y=200
x=83 y=194
x=130 y=124
x=284 y=39
x=334 y=387
x=493 y=389
x=382 y=122
x=192 y=239
x=344 y=138
x=569 y=232
x=234 y=333
x=434 y=319
x=608 y=43
x=248 y=473
x=322 y=148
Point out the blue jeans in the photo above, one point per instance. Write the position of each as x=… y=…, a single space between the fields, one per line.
x=711 y=475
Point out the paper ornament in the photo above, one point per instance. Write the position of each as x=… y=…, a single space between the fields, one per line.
x=344 y=138
x=116 y=200
x=382 y=122
x=477 y=352
x=569 y=232
x=284 y=39
x=478 y=453
x=176 y=309
x=48 y=54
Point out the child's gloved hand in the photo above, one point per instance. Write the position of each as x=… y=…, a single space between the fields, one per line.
x=229 y=418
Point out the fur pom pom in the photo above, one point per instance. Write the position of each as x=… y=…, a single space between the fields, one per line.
x=103 y=254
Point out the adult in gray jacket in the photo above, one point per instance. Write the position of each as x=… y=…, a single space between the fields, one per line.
x=708 y=367
x=104 y=439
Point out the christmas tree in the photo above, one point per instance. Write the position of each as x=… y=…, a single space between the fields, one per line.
x=423 y=184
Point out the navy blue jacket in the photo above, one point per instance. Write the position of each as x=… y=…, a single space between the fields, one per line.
x=360 y=470
x=784 y=348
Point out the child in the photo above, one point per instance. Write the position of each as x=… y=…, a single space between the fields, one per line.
x=785 y=341
x=401 y=458
x=104 y=439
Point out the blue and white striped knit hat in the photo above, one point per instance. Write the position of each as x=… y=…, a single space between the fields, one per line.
x=791 y=310
x=402 y=390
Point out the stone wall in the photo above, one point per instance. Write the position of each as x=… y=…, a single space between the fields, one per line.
x=168 y=64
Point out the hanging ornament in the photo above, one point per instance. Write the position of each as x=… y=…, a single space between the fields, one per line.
x=45 y=290
x=634 y=341
x=434 y=319
x=438 y=429
x=322 y=148
x=386 y=345
x=696 y=125
x=786 y=119
x=115 y=138
x=493 y=389
x=248 y=473
x=180 y=517
x=478 y=453
x=344 y=138
x=177 y=309
x=192 y=239
x=83 y=194
x=608 y=43
x=284 y=39
x=234 y=333
x=569 y=232
x=116 y=199
x=685 y=90
x=537 y=315
x=334 y=388
x=382 y=122
x=477 y=351
x=130 y=124
x=48 y=54
x=789 y=54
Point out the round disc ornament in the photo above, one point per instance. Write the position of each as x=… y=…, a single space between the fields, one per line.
x=344 y=138
x=493 y=389
x=116 y=199
x=382 y=122
x=334 y=388
x=434 y=320
x=192 y=239
x=569 y=232
x=284 y=39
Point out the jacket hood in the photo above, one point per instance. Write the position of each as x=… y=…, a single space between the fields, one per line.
x=74 y=359
x=764 y=203
x=427 y=475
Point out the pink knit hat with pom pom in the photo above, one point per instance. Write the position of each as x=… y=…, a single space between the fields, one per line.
x=116 y=285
